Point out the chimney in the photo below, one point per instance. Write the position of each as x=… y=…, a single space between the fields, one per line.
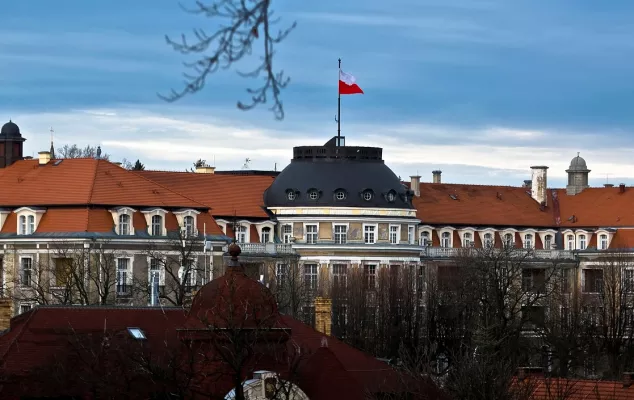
x=527 y=183
x=627 y=379
x=205 y=170
x=414 y=184
x=539 y=184
x=323 y=315
x=622 y=188
x=436 y=176
x=45 y=157
x=608 y=185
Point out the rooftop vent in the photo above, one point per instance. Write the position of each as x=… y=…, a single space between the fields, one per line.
x=453 y=196
x=137 y=333
x=622 y=188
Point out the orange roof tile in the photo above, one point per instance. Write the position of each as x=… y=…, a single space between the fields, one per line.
x=83 y=182
x=227 y=195
x=75 y=220
x=596 y=207
x=207 y=224
x=479 y=205
x=579 y=389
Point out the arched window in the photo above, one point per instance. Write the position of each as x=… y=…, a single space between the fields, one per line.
x=188 y=221
x=528 y=241
x=548 y=242
x=22 y=225
x=157 y=225
x=266 y=235
x=424 y=238
x=508 y=240
x=571 y=242
x=466 y=239
x=582 y=242
x=445 y=240
x=488 y=240
x=603 y=242
x=124 y=224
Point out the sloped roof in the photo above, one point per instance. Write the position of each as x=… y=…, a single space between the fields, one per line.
x=84 y=181
x=458 y=204
x=227 y=195
x=595 y=207
x=578 y=389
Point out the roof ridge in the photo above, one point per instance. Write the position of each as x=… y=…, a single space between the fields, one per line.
x=94 y=179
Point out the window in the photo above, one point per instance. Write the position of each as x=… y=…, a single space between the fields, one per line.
x=63 y=271
x=445 y=239
x=395 y=230
x=26 y=264
x=25 y=307
x=124 y=224
x=628 y=280
x=592 y=280
x=603 y=242
x=157 y=225
x=341 y=234
x=241 y=234
x=508 y=240
x=313 y=194
x=582 y=242
x=187 y=273
x=155 y=280
x=391 y=196
x=22 y=224
x=528 y=241
x=466 y=239
x=340 y=195
x=310 y=276
x=369 y=234
x=311 y=234
x=266 y=235
x=339 y=276
x=308 y=315
x=287 y=233
x=367 y=195
x=488 y=240
x=548 y=242
x=137 y=333
x=571 y=242
x=411 y=234
x=30 y=224
x=369 y=275
x=188 y=223
x=424 y=238
x=291 y=195
x=281 y=275
x=533 y=280
x=124 y=276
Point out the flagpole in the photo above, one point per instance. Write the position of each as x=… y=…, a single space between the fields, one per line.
x=339 y=108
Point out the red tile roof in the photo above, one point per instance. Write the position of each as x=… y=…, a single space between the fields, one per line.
x=596 y=207
x=577 y=389
x=83 y=182
x=227 y=195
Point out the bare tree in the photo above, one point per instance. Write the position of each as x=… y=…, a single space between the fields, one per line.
x=74 y=151
x=245 y=22
x=289 y=286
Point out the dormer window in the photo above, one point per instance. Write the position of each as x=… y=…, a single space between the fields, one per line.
x=27 y=224
x=582 y=242
x=340 y=194
x=313 y=194
x=508 y=240
x=157 y=225
x=155 y=220
x=291 y=194
x=571 y=242
x=367 y=195
x=488 y=240
x=187 y=220
x=548 y=242
x=28 y=219
x=188 y=224
x=124 y=224
x=528 y=241
x=391 y=196
x=603 y=242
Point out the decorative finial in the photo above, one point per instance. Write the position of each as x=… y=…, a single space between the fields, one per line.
x=578 y=153
x=98 y=151
x=234 y=251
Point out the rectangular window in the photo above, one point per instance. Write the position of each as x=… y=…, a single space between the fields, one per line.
x=281 y=275
x=27 y=271
x=187 y=273
x=628 y=280
x=369 y=234
x=311 y=234
x=369 y=275
x=63 y=271
x=266 y=235
x=310 y=276
x=157 y=225
x=603 y=242
x=155 y=281
x=124 y=276
x=308 y=315
x=287 y=233
x=25 y=307
x=241 y=234
x=411 y=234
x=592 y=280
x=339 y=276
x=533 y=280
x=341 y=234
x=395 y=230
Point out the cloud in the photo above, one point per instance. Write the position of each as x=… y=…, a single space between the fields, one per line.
x=174 y=140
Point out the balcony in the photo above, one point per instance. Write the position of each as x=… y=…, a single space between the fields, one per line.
x=265 y=248
x=443 y=252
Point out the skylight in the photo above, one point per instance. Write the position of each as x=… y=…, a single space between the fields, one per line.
x=137 y=333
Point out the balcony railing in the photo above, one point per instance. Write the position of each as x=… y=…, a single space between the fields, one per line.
x=441 y=252
x=265 y=248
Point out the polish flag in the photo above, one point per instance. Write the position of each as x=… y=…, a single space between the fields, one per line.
x=347 y=84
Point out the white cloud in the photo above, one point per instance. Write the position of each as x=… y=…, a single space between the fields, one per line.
x=175 y=140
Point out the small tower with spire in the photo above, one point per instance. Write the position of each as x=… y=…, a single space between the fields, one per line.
x=52 y=147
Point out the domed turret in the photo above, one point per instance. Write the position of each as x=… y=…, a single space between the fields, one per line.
x=10 y=130
x=234 y=300
x=577 y=176
x=11 y=144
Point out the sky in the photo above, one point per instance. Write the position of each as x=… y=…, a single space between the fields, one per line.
x=480 y=89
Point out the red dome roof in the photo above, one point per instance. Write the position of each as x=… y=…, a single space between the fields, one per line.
x=234 y=300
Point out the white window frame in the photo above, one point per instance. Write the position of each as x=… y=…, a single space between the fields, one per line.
x=570 y=241
x=159 y=225
x=489 y=240
x=582 y=240
x=334 y=233
x=241 y=233
x=28 y=220
x=193 y=275
x=314 y=235
x=180 y=217
x=601 y=242
x=23 y=304
x=266 y=231
x=411 y=234
x=21 y=271
x=373 y=231
x=548 y=241
x=429 y=231
x=467 y=242
x=129 y=276
x=149 y=215
x=312 y=275
x=287 y=237
x=397 y=236
x=528 y=240
x=449 y=236
x=161 y=269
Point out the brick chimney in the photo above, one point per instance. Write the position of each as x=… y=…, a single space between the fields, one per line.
x=436 y=176
x=414 y=184
x=622 y=188
x=45 y=157
x=539 y=184
x=205 y=169
x=323 y=315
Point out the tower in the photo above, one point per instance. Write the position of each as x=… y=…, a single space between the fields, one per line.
x=577 y=176
x=11 y=144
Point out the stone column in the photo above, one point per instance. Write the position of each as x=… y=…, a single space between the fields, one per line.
x=323 y=315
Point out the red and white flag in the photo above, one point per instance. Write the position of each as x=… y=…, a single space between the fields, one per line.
x=347 y=84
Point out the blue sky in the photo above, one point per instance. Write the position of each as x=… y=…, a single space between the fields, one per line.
x=480 y=89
